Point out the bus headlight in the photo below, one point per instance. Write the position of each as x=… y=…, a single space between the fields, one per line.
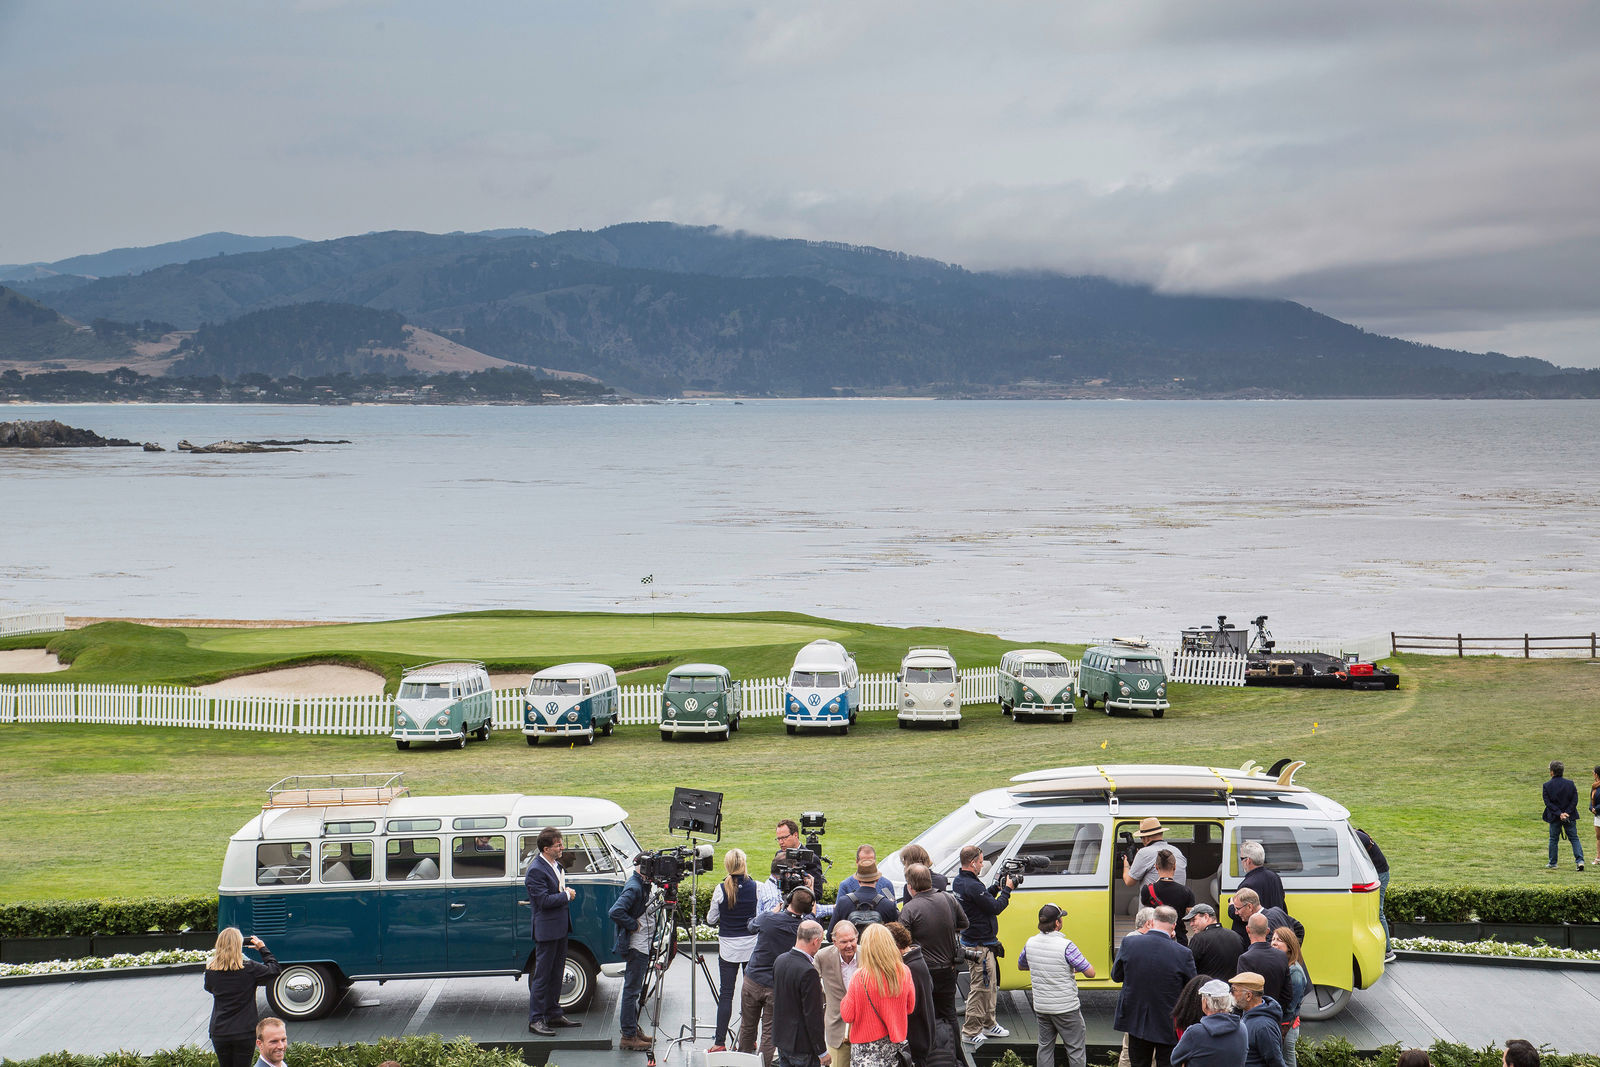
x=912 y=703
x=949 y=703
x=1161 y=690
x=572 y=716
x=443 y=720
x=833 y=706
x=1027 y=694
x=794 y=706
x=1124 y=688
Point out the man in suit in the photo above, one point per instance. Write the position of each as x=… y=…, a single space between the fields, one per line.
x=1216 y=948
x=272 y=1041
x=797 y=996
x=1261 y=958
x=1561 y=812
x=1153 y=969
x=837 y=964
x=551 y=898
x=1259 y=877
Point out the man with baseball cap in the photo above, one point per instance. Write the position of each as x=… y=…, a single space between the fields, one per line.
x=1142 y=871
x=1216 y=948
x=1263 y=1037
x=1053 y=961
x=1218 y=1039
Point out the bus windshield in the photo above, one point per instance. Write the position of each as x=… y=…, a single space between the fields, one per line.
x=1141 y=666
x=813 y=680
x=680 y=683
x=554 y=687
x=930 y=674
x=424 y=691
x=1046 y=670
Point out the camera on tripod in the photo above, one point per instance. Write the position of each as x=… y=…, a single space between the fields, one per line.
x=1013 y=868
x=668 y=866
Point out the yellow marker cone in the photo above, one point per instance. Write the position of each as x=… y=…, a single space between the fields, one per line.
x=1102 y=744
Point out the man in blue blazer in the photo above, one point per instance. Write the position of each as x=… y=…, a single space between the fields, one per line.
x=552 y=922
x=1561 y=812
x=1153 y=969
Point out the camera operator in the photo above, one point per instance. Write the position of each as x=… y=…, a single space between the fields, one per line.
x=635 y=930
x=787 y=835
x=1152 y=840
x=775 y=934
x=982 y=934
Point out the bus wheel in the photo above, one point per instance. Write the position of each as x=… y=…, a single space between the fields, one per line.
x=1159 y=712
x=588 y=738
x=532 y=740
x=955 y=724
x=483 y=731
x=734 y=724
x=789 y=726
x=303 y=991
x=844 y=731
x=1088 y=701
x=606 y=731
x=902 y=723
x=402 y=745
x=1324 y=1002
x=666 y=735
x=1066 y=718
x=1105 y=698
x=461 y=742
x=577 y=983
x=726 y=734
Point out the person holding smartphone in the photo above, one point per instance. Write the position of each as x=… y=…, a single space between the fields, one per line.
x=231 y=979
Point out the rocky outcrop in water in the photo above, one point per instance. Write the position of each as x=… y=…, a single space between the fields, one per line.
x=229 y=448
x=48 y=433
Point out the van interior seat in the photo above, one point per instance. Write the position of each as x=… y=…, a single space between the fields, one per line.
x=338 y=871
x=426 y=869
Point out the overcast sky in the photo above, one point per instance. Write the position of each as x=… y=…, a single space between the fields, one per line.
x=1430 y=170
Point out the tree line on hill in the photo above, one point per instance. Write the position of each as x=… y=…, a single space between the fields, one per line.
x=499 y=385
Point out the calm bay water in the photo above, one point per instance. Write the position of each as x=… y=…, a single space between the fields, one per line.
x=1034 y=520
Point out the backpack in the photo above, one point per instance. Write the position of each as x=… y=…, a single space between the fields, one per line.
x=861 y=912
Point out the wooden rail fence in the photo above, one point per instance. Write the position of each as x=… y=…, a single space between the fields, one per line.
x=1492 y=646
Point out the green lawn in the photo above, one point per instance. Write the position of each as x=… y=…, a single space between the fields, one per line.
x=1445 y=772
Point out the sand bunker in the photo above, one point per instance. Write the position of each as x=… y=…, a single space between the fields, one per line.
x=321 y=680
x=510 y=681
x=32 y=661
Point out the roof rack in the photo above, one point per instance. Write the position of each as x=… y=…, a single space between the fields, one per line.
x=335 y=790
x=444 y=663
x=1130 y=642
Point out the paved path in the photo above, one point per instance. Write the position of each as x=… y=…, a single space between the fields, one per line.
x=1417 y=1002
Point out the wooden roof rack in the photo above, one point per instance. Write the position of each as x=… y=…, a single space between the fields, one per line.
x=335 y=790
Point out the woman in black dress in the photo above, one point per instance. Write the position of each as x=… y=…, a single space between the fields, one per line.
x=231 y=979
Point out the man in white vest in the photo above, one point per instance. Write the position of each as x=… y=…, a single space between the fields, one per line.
x=1053 y=960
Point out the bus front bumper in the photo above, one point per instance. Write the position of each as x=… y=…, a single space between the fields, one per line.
x=1135 y=704
x=557 y=730
x=441 y=734
x=672 y=726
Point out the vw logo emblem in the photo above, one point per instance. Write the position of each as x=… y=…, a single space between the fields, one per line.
x=552 y=707
x=814 y=699
x=1144 y=683
x=691 y=704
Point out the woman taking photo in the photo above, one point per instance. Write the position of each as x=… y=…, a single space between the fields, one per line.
x=231 y=980
x=1284 y=941
x=733 y=905
x=879 y=1001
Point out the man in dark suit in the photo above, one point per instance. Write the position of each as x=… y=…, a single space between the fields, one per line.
x=1153 y=969
x=1216 y=948
x=551 y=898
x=1561 y=812
x=1259 y=877
x=797 y=1007
x=1268 y=962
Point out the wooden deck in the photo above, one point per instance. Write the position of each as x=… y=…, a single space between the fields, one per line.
x=1417 y=1002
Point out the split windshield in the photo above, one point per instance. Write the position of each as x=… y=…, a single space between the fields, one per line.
x=554 y=687
x=811 y=680
x=930 y=674
x=1046 y=670
x=1141 y=666
x=424 y=691
x=678 y=683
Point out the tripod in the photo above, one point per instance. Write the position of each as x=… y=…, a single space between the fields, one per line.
x=664 y=951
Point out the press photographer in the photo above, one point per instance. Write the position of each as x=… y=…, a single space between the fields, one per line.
x=635 y=921
x=805 y=861
x=981 y=937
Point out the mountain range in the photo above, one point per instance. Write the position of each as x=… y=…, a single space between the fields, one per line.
x=661 y=309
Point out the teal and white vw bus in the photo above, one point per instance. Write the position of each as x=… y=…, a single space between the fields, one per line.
x=1124 y=675
x=930 y=687
x=571 y=700
x=350 y=879
x=1035 y=681
x=700 y=698
x=446 y=701
x=824 y=688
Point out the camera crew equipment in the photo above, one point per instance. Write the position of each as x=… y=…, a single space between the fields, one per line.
x=694 y=813
x=1013 y=868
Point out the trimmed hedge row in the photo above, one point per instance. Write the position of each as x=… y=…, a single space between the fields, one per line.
x=1490 y=904
x=425 y=1051
x=1495 y=904
x=98 y=918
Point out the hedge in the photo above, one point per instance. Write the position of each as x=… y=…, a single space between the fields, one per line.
x=97 y=918
x=1490 y=904
x=426 y=1051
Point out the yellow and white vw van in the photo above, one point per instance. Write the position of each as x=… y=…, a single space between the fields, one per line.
x=1079 y=821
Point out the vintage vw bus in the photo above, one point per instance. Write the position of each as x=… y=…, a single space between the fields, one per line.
x=350 y=879
x=574 y=700
x=1076 y=823
x=443 y=701
x=929 y=687
x=700 y=698
x=1124 y=674
x=824 y=688
x=1035 y=681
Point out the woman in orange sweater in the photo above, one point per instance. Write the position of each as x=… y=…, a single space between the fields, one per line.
x=878 y=1002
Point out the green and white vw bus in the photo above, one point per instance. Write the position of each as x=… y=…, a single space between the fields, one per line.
x=930 y=687
x=1126 y=676
x=1035 y=681
x=576 y=700
x=443 y=701
x=700 y=698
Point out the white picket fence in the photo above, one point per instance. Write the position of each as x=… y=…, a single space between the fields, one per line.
x=1206 y=668
x=33 y=622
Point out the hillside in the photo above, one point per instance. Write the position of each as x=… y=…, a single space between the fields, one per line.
x=659 y=308
x=32 y=334
x=81 y=269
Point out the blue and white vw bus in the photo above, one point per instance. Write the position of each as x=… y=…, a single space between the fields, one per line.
x=575 y=700
x=350 y=879
x=824 y=688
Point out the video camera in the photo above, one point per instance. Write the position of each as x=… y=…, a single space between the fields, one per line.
x=1013 y=868
x=798 y=862
x=668 y=866
x=1127 y=847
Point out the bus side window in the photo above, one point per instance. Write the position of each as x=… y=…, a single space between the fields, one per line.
x=411 y=859
x=586 y=854
x=1308 y=850
x=283 y=863
x=347 y=861
x=481 y=856
x=1070 y=847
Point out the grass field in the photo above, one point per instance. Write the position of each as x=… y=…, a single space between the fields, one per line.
x=1445 y=772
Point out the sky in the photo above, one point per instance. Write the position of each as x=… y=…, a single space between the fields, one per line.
x=1423 y=169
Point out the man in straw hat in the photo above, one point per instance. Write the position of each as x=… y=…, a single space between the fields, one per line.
x=1152 y=840
x=1263 y=1037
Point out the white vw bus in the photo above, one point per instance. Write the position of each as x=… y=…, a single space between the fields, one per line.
x=824 y=688
x=571 y=700
x=930 y=687
x=1035 y=681
x=1071 y=826
x=443 y=701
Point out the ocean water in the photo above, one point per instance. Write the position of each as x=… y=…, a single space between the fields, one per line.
x=1035 y=520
